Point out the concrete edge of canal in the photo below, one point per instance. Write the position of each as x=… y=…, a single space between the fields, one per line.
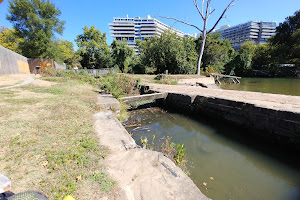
x=140 y=173
x=276 y=125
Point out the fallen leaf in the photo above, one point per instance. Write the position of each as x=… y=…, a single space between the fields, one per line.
x=45 y=163
x=78 y=178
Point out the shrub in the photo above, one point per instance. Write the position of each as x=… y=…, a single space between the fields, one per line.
x=118 y=84
x=81 y=75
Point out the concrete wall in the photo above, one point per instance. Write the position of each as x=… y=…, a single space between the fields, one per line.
x=282 y=127
x=12 y=62
x=44 y=64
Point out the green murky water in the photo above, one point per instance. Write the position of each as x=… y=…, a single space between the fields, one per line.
x=287 y=86
x=239 y=167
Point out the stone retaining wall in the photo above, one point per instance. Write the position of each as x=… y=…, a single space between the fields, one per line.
x=275 y=125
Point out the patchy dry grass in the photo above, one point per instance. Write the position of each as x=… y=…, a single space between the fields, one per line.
x=48 y=143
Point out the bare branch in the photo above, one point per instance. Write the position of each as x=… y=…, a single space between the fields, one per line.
x=202 y=6
x=196 y=5
x=183 y=22
x=229 y=5
x=207 y=7
x=211 y=11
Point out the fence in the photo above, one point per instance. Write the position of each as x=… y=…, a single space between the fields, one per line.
x=100 y=72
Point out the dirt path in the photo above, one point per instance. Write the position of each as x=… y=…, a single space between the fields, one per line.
x=139 y=172
x=265 y=100
x=16 y=80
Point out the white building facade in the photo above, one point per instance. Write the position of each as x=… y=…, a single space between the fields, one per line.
x=136 y=28
x=258 y=31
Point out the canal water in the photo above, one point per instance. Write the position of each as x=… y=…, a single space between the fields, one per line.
x=287 y=86
x=234 y=167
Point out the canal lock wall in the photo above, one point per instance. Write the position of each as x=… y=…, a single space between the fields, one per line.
x=275 y=126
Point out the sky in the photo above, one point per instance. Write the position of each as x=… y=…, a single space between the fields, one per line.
x=100 y=13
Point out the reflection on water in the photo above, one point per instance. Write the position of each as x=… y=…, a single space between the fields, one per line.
x=287 y=86
x=239 y=168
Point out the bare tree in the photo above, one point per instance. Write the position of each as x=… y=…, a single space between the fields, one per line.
x=205 y=13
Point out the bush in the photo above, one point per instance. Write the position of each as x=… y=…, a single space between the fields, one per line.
x=118 y=84
x=81 y=75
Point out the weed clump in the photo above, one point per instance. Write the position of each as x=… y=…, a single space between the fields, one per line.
x=119 y=85
x=175 y=152
x=82 y=76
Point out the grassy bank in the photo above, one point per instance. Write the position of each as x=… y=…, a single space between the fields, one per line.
x=47 y=140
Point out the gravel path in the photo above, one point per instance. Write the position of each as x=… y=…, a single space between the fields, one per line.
x=265 y=100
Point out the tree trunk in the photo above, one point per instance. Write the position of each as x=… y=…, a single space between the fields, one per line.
x=202 y=47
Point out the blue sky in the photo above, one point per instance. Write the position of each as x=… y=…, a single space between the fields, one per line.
x=99 y=13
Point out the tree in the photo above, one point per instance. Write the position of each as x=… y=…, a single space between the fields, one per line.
x=217 y=52
x=295 y=48
x=121 y=54
x=9 y=40
x=36 y=22
x=93 y=48
x=262 y=56
x=242 y=63
x=168 y=52
x=284 y=39
x=68 y=55
x=205 y=13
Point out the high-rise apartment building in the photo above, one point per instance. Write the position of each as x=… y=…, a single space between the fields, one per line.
x=135 y=28
x=258 y=31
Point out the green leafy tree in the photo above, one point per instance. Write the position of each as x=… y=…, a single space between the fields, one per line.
x=190 y=56
x=68 y=55
x=122 y=55
x=10 y=40
x=36 y=22
x=241 y=65
x=217 y=53
x=136 y=66
x=205 y=14
x=285 y=39
x=295 y=48
x=168 y=52
x=262 y=56
x=93 y=48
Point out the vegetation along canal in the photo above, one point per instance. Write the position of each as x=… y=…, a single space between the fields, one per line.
x=287 y=86
x=233 y=167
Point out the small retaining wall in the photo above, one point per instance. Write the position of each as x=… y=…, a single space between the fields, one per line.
x=44 y=64
x=12 y=62
x=278 y=126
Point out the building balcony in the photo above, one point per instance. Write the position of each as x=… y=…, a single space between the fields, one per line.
x=148 y=29
x=121 y=24
x=118 y=35
x=122 y=32
x=122 y=28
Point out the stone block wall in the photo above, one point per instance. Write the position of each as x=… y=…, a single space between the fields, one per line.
x=276 y=125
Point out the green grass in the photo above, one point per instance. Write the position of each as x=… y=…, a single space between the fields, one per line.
x=48 y=143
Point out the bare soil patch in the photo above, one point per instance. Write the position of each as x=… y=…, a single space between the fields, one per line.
x=12 y=79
